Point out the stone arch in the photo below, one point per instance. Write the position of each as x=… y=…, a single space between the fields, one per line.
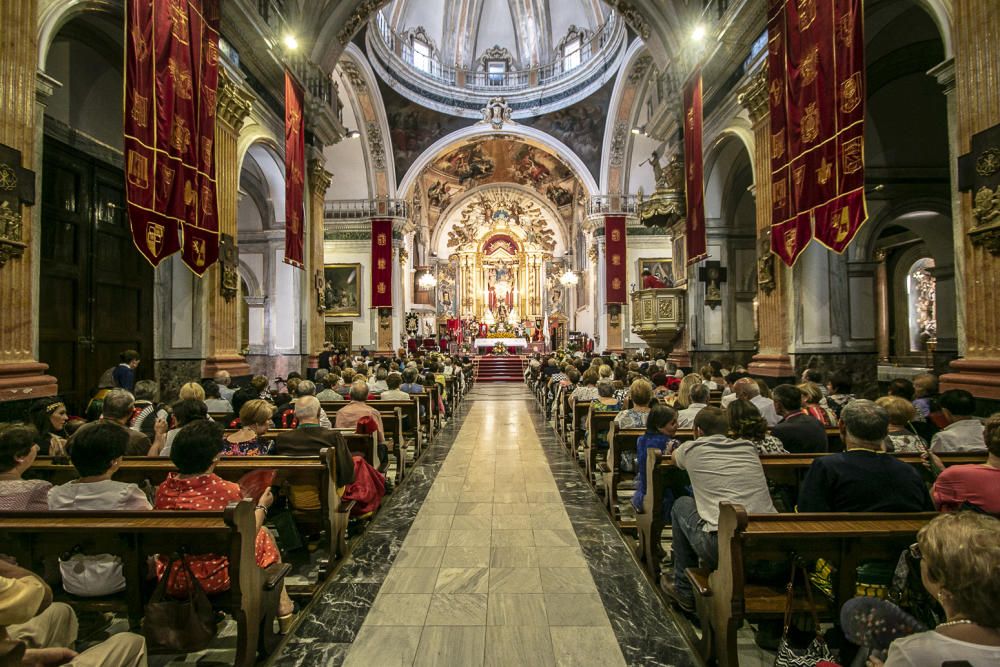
x=723 y=164
x=369 y=107
x=626 y=99
x=524 y=133
x=55 y=14
x=553 y=218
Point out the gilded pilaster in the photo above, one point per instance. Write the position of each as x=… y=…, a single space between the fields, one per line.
x=233 y=106
x=319 y=183
x=21 y=375
x=977 y=101
x=771 y=359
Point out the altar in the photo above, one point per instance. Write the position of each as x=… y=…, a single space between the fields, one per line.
x=490 y=343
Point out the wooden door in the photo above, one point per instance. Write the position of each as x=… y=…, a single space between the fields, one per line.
x=96 y=290
x=341 y=334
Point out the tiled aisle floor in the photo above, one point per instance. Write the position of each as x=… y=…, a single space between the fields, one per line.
x=491 y=571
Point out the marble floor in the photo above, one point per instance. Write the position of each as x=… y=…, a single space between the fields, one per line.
x=494 y=552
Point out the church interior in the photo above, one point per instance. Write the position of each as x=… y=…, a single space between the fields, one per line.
x=499 y=332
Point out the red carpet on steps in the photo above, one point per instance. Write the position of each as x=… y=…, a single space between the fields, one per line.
x=500 y=369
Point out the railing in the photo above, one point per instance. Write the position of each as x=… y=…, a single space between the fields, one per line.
x=479 y=80
x=356 y=209
x=608 y=204
x=317 y=83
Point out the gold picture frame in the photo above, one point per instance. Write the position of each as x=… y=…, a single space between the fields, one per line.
x=661 y=268
x=342 y=290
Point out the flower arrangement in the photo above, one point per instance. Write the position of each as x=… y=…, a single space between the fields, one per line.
x=499 y=349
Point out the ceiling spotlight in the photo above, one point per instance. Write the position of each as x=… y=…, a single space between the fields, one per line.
x=353 y=134
x=636 y=130
x=290 y=42
x=698 y=34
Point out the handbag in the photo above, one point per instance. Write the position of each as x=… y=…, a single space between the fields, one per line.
x=91 y=575
x=182 y=626
x=817 y=651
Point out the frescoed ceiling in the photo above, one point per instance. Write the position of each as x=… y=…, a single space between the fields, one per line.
x=495 y=160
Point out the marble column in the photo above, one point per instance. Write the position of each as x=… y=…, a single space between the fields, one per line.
x=977 y=102
x=22 y=376
x=772 y=358
x=223 y=309
x=319 y=183
x=882 y=305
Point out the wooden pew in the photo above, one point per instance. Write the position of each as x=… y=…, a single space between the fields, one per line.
x=35 y=537
x=392 y=423
x=579 y=425
x=724 y=597
x=780 y=469
x=411 y=416
x=620 y=441
x=596 y=423
x=320 y=471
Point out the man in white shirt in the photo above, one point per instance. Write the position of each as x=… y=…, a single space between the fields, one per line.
x=699 y=400
x=721 y=470
x=747 y=389
x=222 y=378
x=964 y=432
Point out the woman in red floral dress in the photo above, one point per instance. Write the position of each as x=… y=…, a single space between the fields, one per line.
x=195 y=451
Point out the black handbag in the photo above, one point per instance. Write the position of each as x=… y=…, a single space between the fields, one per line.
x=182 y=626
x=817 y=651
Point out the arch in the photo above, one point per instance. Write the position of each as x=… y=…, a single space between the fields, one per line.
x=373 y=112
x=54 y=15
x=523 y=133
x=271 y=167
x=447 y=218
x=895 y=212
x=721 y=164
x=252 y=281
x=636 y=50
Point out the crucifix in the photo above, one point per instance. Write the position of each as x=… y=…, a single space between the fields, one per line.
x=713 y=275
x=17 y=187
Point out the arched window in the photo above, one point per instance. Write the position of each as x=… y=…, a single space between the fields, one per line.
x=572 y=52
x=421 y=55
x=921 y=291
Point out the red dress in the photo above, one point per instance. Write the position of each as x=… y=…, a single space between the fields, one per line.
x=205 y=492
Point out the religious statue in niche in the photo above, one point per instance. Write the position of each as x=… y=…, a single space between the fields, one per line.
x=765 y=267
x=712 y=274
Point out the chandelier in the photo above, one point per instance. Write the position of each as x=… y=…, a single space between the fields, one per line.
x=568 y=278
x=427 y=281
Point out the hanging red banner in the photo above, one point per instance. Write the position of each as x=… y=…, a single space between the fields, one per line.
x=614 y=259
x=381 y=264
x=697 y=245
x=295 y=169
x=171 y=78
x=816 y=81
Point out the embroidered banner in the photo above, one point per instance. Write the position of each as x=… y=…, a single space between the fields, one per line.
x=171 y=77
x=381 y=263
x=816 y=80
x=295 y=169
x=614 y=259
x=697 y=248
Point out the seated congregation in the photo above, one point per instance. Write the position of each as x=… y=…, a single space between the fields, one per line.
x=729 y=488
x=230 y=500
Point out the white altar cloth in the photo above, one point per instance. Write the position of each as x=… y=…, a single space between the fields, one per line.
x=509 y=342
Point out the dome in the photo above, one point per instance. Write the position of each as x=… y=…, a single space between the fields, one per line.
x=456 y=55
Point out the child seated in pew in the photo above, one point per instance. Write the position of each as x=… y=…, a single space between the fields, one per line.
x=195 y=451
x=18 y=451
x=49 y=629
x=96 y=454
x=661 y=425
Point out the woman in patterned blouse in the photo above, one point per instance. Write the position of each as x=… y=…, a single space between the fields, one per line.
x=901 y=438
x=255 y=420
x=746 y=423
x=641 y=394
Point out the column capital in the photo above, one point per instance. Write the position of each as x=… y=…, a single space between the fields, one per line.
x=754 y=95
x=234 y=101
x=319 y=178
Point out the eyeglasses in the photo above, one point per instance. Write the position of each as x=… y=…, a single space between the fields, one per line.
x=914 y=550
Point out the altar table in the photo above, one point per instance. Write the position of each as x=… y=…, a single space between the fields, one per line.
x=509 y=342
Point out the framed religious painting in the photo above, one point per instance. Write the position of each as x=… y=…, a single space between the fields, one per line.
x=342 y=289
x=661 y=268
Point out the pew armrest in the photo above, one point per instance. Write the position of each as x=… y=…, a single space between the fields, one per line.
x=275 y=575
x=699 y=580
x=345 y=508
